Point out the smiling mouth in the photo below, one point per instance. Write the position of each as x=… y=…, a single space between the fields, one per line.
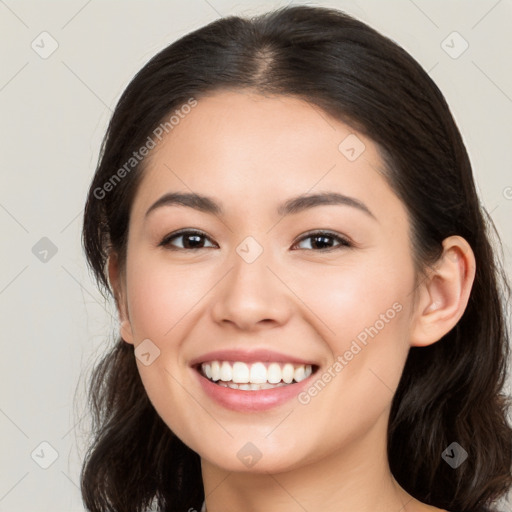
x=254 y=376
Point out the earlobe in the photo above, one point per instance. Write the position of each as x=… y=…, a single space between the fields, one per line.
x=445 y=293
x=125 y=329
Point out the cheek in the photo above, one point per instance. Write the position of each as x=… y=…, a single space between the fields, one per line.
x=161 y=295
x=163 y=299
x=365 y=314
x=357 y=299
x=363 y=308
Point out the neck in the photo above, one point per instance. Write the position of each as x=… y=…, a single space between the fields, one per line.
x=354 y=478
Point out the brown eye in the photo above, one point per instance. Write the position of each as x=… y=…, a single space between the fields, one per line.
x=191 y=240
x=325 y=241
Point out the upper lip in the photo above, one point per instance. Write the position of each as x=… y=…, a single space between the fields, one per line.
x=249 y=356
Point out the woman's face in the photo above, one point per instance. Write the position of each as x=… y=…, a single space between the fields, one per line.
x=256 y=283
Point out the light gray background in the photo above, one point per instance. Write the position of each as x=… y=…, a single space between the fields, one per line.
x=54 y=112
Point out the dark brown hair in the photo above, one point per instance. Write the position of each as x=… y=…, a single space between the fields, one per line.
x=449 y=391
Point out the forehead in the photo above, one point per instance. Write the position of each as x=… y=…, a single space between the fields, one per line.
x=228 y=125
x=256 y=151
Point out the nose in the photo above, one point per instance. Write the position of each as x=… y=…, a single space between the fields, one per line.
x=252 y=296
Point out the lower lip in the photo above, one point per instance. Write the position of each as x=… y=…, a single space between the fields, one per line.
x=251 y=401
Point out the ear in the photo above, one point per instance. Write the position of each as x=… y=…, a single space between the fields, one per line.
x=444 y=294
x=117 y=285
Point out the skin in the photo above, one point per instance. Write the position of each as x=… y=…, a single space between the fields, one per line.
x=251 y=153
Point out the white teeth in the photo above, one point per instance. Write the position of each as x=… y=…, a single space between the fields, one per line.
x=258 y=373
x=226 y=373
x=215 y=367
x=240 y=373
x=274 y=374
x=250 y=387
x=256 y=376
x=299 y=374
x=288 y=372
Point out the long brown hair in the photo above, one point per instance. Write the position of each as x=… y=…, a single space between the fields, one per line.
x=449 y=391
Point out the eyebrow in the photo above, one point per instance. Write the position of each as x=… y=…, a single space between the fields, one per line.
x=291 y=206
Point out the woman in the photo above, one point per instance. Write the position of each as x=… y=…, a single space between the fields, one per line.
x=310 y=307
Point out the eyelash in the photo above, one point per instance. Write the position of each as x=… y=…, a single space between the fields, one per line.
x=343 y=242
